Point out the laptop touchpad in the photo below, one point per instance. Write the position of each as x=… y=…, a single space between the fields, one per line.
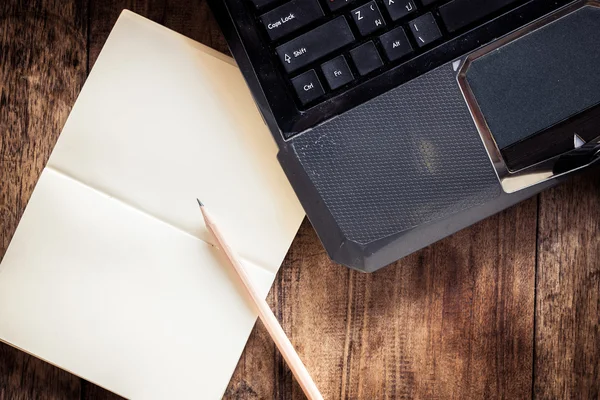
x=538 y=91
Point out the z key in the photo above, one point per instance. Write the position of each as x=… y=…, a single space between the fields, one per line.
x=368 y=18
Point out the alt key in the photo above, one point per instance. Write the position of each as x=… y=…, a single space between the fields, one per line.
x=308 y=87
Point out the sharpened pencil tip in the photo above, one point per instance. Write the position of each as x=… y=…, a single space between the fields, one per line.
x=200 y=203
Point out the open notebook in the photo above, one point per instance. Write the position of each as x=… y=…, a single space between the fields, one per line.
x=111 y=274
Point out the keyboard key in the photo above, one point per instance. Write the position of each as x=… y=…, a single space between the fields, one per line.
x=337 y=4
x=262 y=3
x=459 y=13
x=337 y=72
x=366 y=58
x=315 y=44
x=287 y=18
x=395 y=44
x=308 y=87
x=368 y=18
x=425 y=29
x=399 y=8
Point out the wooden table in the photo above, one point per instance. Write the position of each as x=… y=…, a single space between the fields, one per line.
x=508 y=308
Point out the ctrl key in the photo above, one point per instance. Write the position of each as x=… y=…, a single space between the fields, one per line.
x=308 y=87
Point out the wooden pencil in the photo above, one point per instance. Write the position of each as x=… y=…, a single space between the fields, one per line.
x=265 y=314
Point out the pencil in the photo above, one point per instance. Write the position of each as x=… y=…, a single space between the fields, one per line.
x=265 y=314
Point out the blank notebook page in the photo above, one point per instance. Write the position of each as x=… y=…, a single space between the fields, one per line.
x=111 y=273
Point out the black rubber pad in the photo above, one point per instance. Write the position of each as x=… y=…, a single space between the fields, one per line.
x=541 y=79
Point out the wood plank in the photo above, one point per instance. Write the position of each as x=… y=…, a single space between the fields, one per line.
x=89 y=391
x=43 y=56
x=23 y=377
x=454 y=320
x=567 y=336
x=191 y=19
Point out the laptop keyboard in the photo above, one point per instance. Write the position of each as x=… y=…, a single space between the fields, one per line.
x=326 y=46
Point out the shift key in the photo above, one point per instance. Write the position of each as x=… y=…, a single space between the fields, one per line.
x=315 y=44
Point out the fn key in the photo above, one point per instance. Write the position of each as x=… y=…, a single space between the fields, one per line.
x=308 y=87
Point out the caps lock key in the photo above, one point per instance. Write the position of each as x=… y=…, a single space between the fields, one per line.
x=287 y=18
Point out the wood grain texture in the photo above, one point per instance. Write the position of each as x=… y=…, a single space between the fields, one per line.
x=568 y=291
x=453 y=321
x=23 y=377
x=192 y=19
x=43 y=56
x=42 y=68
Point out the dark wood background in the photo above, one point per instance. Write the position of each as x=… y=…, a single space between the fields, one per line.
x=508 y=308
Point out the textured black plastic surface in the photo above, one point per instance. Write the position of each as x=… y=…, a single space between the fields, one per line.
x=541 y=79
x=396 y=174
x=403 y=159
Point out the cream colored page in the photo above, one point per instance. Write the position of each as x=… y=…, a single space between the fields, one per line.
x=161 y=122
x=109 y=274
x=121 y=298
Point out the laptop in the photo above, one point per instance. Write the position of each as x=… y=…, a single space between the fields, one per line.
x=400 y=122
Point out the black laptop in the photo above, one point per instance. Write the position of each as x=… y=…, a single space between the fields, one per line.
x=400 y=122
